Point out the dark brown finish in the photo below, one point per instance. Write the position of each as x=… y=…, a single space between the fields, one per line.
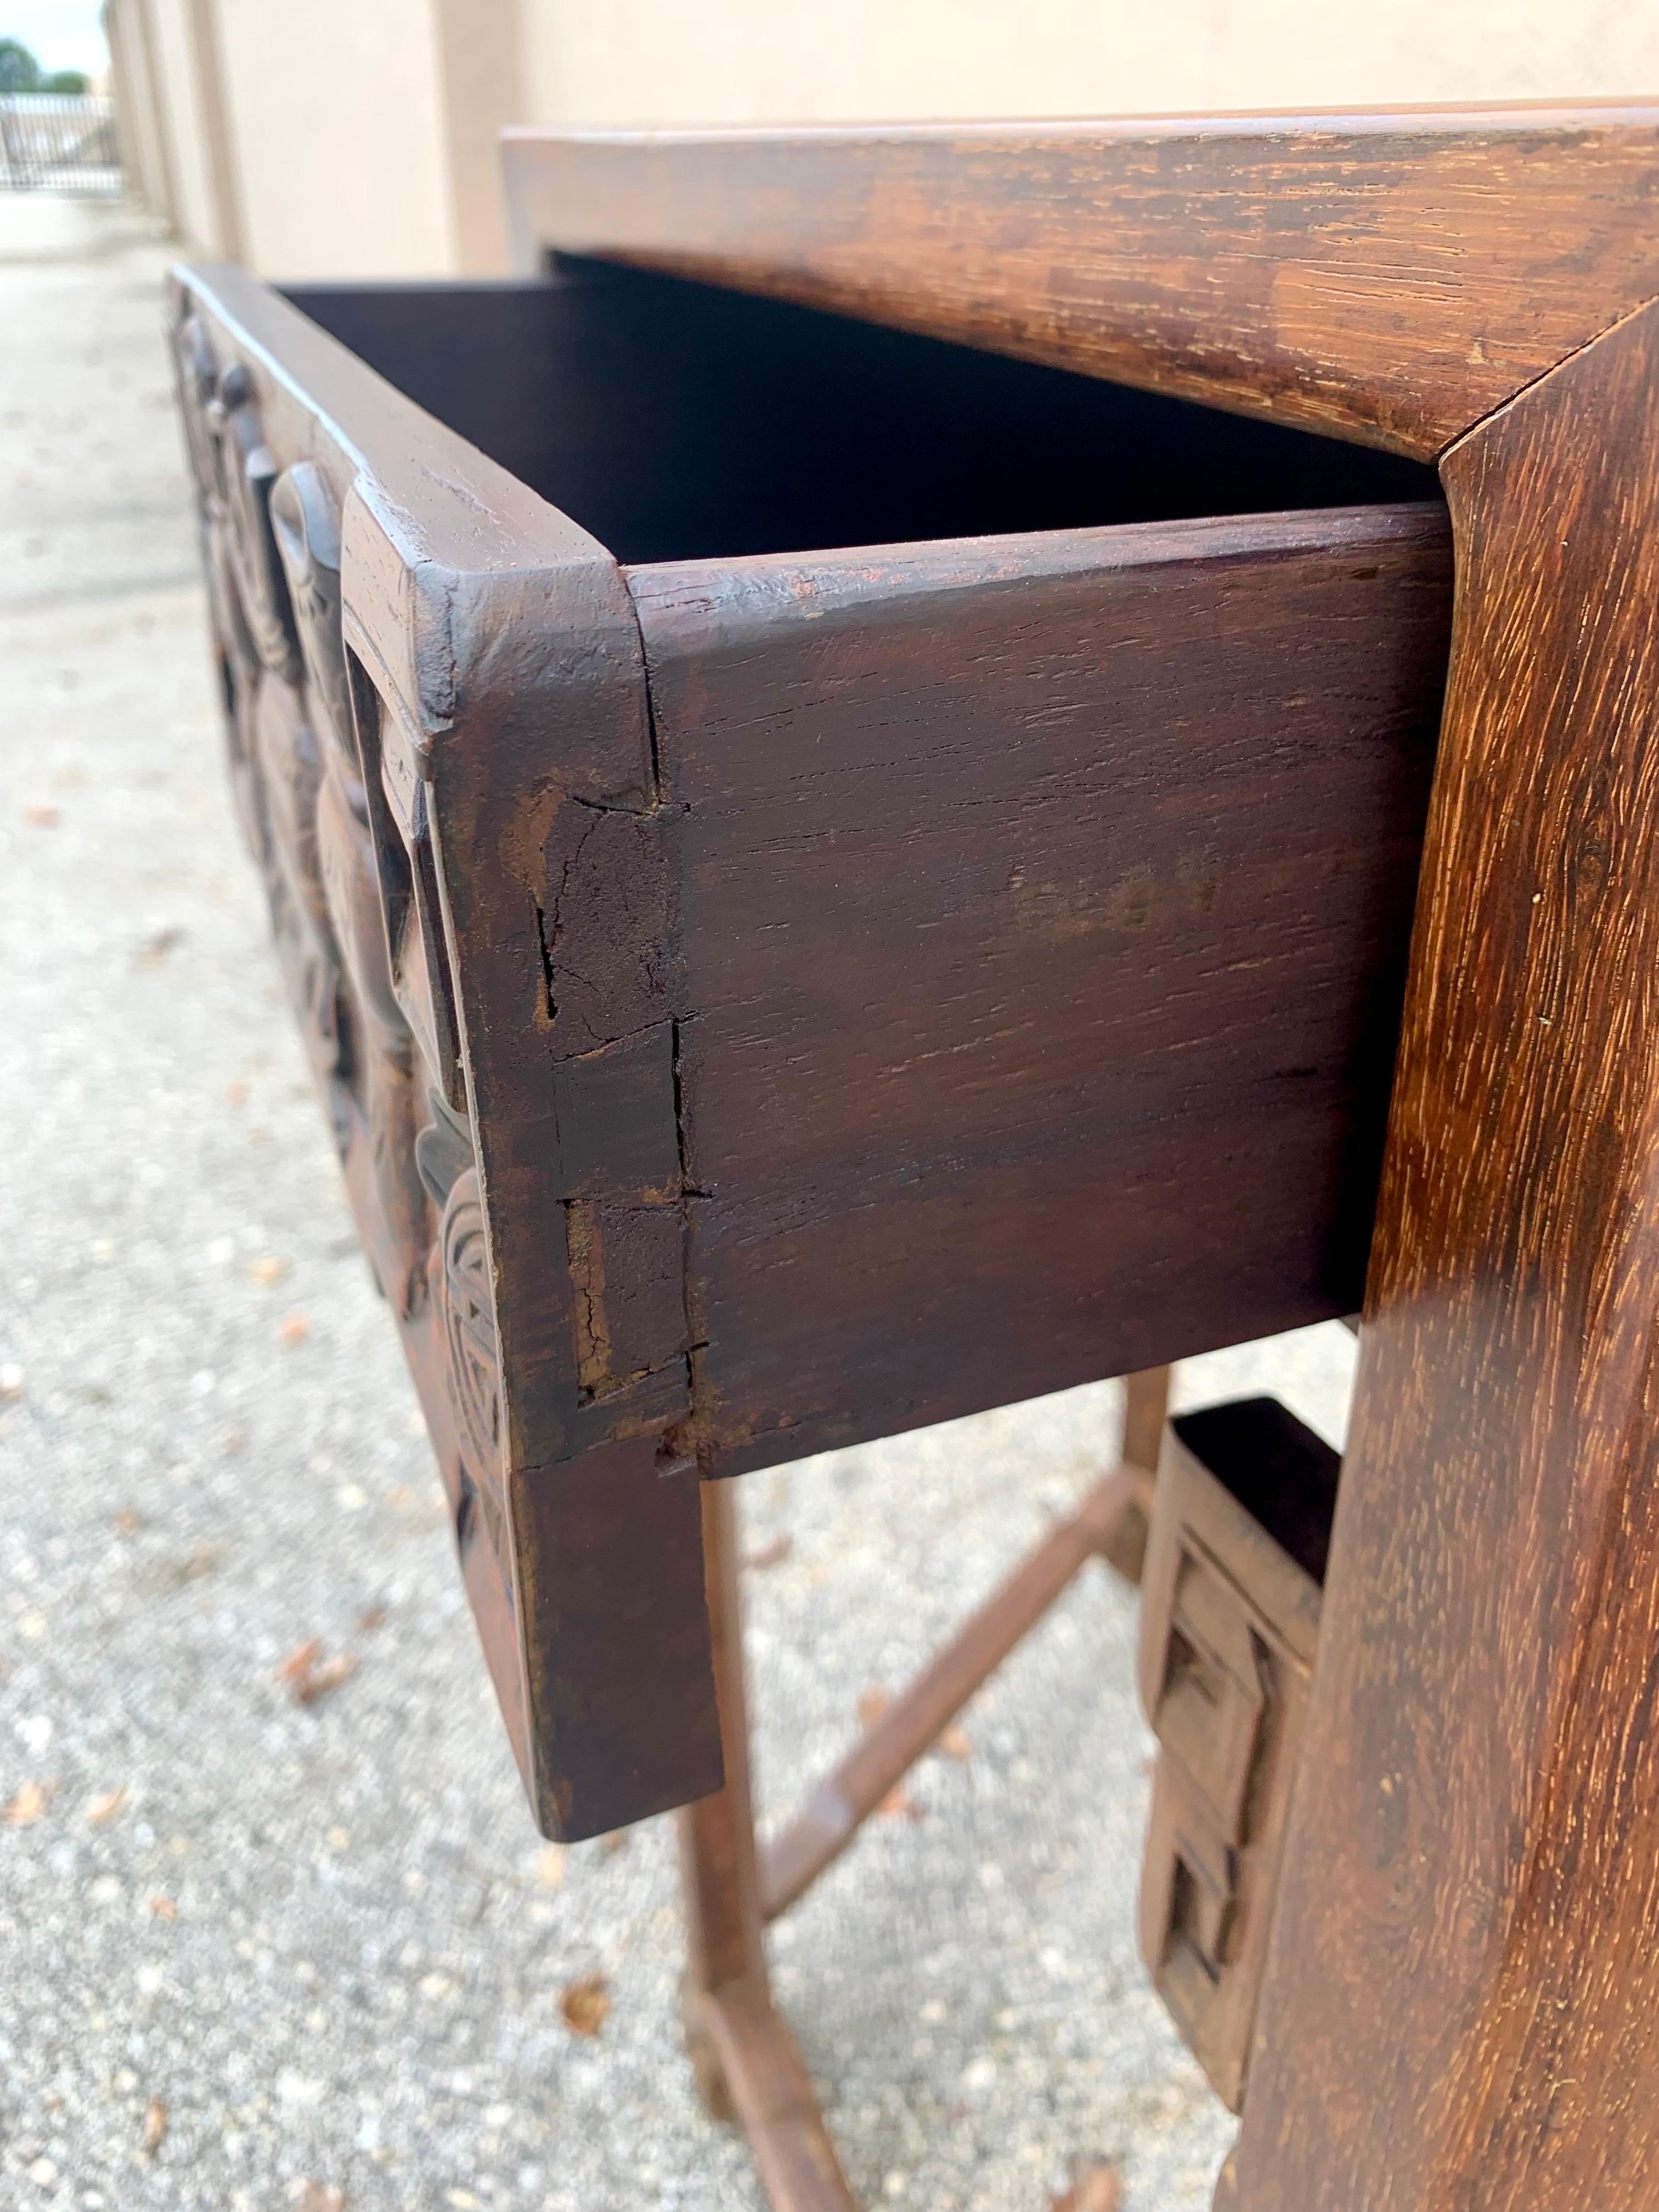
x=1022 y=1033
x=842 y=1803
x=1228 y=1626
x=746 y=2062
x=828 y=1041
x=1458 y=2007
x=745 y=2056
x=395 y=642
x=1146 y=1410
x=1458 y=2010
x=1393 y=277
x=1473 y=1863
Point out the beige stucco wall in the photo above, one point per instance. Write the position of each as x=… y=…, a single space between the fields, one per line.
x=361 y=131
x=173 y=45
x=336 y=112
x=666 y=61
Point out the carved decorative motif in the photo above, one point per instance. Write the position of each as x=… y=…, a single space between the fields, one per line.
x=470 y=1333
x=349 y=877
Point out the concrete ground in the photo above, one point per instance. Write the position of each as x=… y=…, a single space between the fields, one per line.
x=253 y=1951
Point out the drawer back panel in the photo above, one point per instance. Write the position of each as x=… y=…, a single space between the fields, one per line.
x=676 y=421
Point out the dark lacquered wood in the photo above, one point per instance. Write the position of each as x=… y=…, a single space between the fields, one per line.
x=747 y=2062
x=607 y=1002
x=398 y=625
x=1042 y=905
x=1392 y=276
x=1146 y=1410
x=1229 y=1623
x=1464 y=1929
x=675 y=421
x=1457 y=2009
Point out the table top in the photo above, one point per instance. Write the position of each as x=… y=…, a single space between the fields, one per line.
x=1390 y=277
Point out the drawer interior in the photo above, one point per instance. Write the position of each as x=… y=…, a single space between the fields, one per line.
x=678 y=421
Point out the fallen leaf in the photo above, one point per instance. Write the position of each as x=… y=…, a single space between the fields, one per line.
x=270 y=1269
x=1094 y=2188
x=162 y=1576
x=329 y=1676
x=127 y=1522
x=586 y=2004
x=155 y=2127
x=770 y=1554
x=899 y=1805
x=27 y=1806
x=339 y=1840
x=157 y=945
x=872 y=1704
x=164 y=1908
x=956 y=1742
x=103 y=1810
x=301 y=1660
x=232 y=1441
x=549 y=1866
x=317 y=2196
x=236 y=1093
x=616 y=1841
x=295 y=1329
x=41 y=817
x=372 y=1616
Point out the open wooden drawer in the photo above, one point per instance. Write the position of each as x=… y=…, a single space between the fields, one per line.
x=831 y=880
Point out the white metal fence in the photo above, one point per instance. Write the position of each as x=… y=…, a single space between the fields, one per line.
x=58 y=143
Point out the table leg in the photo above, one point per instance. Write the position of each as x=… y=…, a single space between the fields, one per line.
x=747 y=2061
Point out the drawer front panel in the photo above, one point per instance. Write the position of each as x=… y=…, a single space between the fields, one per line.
x=440 y=751
x=1044 y=905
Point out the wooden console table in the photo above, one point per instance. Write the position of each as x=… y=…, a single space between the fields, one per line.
x=767 y=997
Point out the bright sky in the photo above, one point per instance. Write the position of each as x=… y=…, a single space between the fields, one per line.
x=59 y=34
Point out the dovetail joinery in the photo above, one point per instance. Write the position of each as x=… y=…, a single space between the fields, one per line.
x=604 y=936
x=697 y=1336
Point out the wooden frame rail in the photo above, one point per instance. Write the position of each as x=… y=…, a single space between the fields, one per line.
x=747 y=2064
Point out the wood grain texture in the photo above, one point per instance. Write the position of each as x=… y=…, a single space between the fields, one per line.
x=1042 y=910
x=1228 y=1626
x=440 y=749
x=747 y=2063
x=1464 y=1936
x=1392 y=277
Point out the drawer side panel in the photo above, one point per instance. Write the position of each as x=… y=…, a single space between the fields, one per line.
x=1044 y=909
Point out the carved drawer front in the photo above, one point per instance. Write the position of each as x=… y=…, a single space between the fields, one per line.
x=1230 y=1616
x=828 y=881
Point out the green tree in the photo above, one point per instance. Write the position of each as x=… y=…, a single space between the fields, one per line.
x=19 y=70
x=71 y=82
